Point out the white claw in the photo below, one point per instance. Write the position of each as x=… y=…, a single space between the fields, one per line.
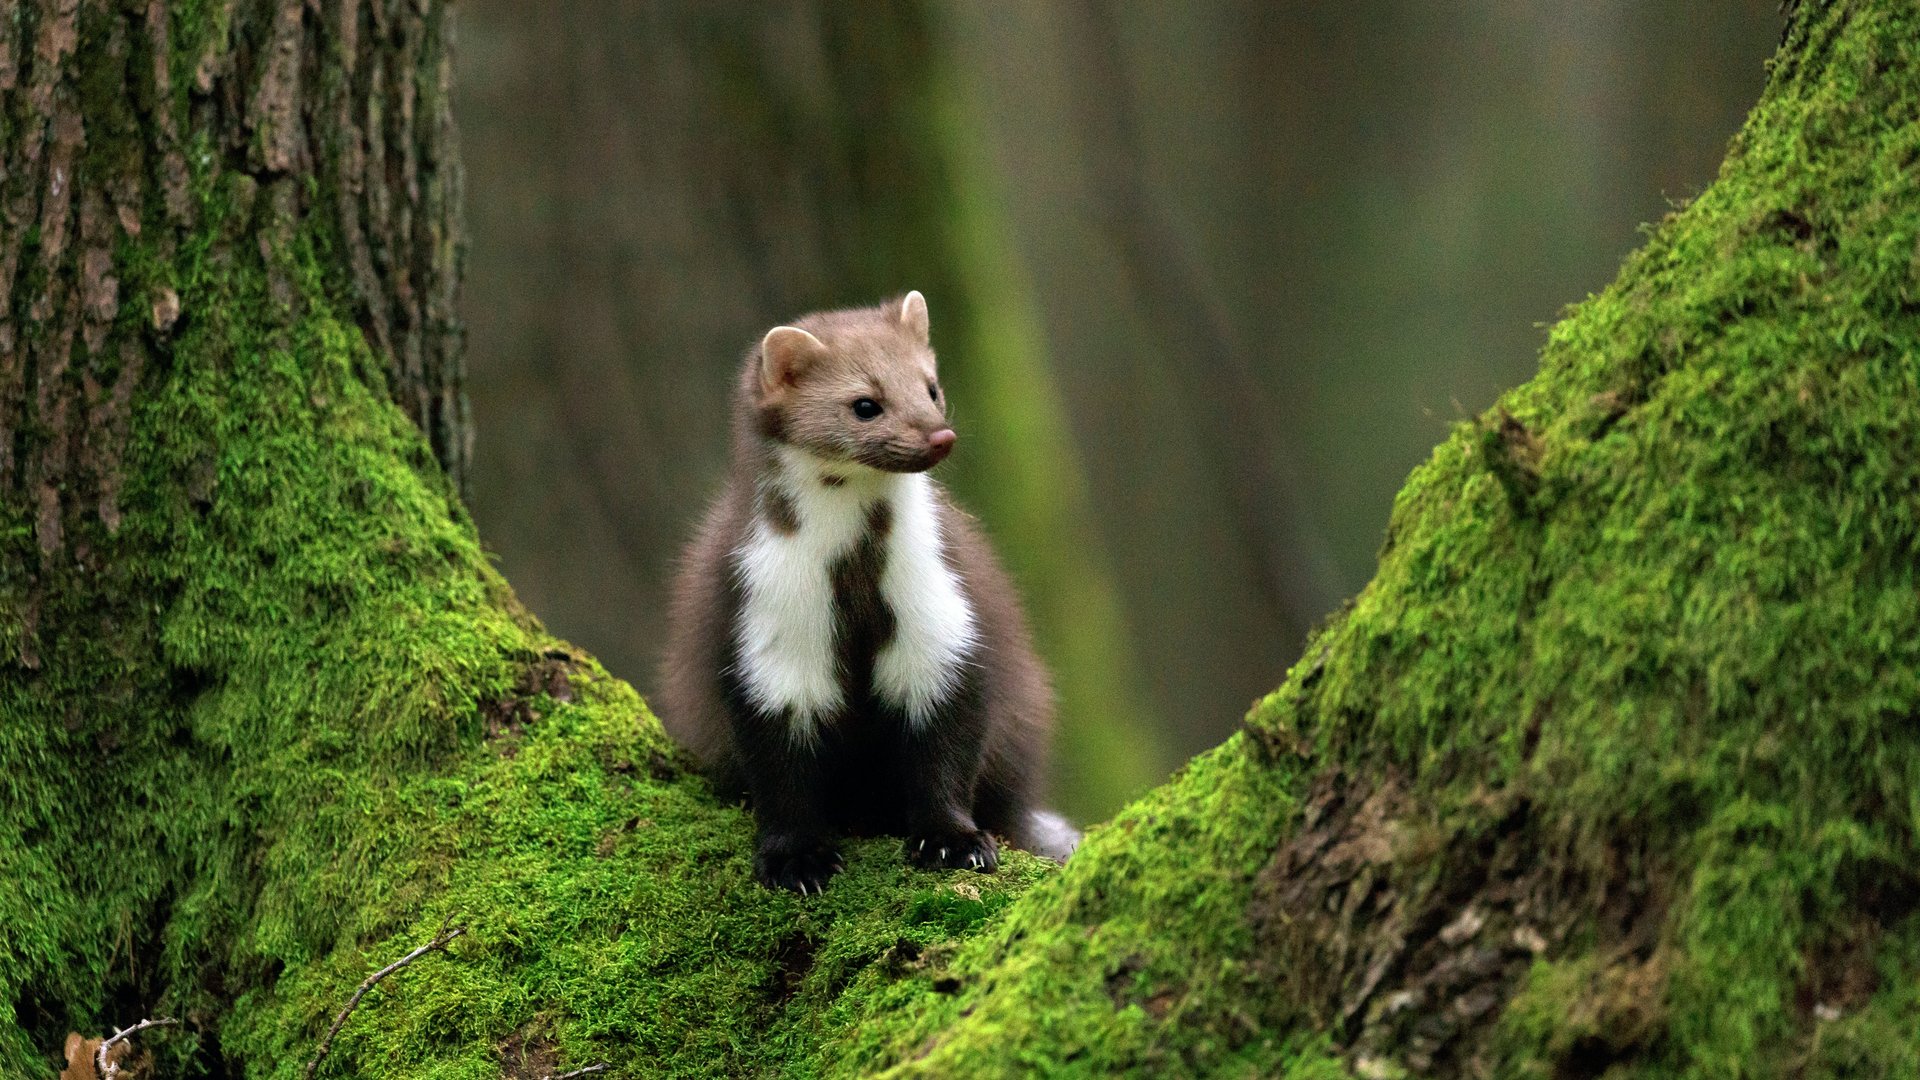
x=922 y=847
x=943 y=854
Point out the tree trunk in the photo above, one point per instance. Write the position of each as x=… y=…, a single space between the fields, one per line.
x=1611 y=767
x=132 y=134
x=229 y=249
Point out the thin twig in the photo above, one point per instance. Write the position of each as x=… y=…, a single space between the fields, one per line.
x=588 y=1071
x=111 y=1070
x=326 y=1044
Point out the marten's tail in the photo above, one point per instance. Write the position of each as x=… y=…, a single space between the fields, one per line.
x=1046 y=834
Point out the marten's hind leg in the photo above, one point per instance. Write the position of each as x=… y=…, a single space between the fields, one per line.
x=1003 y=804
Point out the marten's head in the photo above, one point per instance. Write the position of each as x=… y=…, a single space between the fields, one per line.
x=855 y=386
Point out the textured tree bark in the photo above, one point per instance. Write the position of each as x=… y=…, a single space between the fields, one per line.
x=338 y=111
x=1609 y=771
x=183 y=186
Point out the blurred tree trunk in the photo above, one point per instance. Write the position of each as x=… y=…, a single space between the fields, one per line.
x=1285 y=245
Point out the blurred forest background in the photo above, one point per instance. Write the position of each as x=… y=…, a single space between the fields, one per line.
x=1207 y=279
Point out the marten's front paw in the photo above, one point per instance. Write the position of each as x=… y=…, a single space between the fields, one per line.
x=969 y=850
x=801 y=865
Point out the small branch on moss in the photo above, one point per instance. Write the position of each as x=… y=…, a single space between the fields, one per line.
x=588 y=1071
x=326 y=1043
x=110 y=1070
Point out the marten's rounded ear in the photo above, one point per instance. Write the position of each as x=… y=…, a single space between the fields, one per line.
x=785 y=354
x=913 y=316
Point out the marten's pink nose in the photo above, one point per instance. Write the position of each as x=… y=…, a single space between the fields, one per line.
x=940 y=444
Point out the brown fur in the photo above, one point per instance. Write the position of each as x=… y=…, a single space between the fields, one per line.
x=794 y=391
x=803 y=399
x=81 y=1051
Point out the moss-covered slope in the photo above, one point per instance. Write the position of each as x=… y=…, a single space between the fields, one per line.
x=1614 y=766
x=297 y=725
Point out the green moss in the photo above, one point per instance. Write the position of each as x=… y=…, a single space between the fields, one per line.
x=286 y=723
x=192 y=27
x=1135 y=957
x=611 y=913
x=1670 y=607
x=1694 y=627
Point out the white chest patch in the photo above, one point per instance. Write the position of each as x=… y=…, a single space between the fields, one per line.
x=934 y=629
x=786 y=630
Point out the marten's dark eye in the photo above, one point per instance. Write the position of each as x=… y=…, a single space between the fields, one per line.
x=866 y=408
x=933 y=391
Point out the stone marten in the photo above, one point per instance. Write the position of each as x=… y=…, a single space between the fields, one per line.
x=845 y=650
